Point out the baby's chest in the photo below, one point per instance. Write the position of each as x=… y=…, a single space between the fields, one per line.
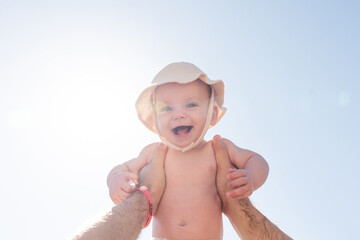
x=191 y=169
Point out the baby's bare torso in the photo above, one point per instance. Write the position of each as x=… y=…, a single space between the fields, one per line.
x=190 y=207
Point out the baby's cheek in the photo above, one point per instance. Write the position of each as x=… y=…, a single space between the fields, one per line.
x=160 y=122
x=160 y=126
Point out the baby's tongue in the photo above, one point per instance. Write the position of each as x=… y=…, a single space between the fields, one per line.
x=183 y=130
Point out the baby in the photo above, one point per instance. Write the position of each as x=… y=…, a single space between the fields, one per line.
x=180 y=106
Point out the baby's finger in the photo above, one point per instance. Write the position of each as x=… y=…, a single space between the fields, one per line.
x=126 y=187
x=242 y=195
x=237 y=174
x=130 y=176
x=238 y=192
x=238 y=182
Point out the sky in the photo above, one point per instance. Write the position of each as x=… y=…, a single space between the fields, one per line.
x=70 y=72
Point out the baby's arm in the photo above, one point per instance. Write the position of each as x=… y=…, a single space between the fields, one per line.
x=120 y=177
x=251 y=173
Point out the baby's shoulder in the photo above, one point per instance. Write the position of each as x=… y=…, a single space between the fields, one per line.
x=149 y=147
x=147 y=151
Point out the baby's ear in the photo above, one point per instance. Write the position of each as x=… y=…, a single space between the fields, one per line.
x=214 y=116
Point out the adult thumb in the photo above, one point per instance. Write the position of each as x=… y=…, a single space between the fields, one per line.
x=159 y=154
x=221 y=153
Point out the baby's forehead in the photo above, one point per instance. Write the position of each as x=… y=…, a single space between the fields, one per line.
x=196 y=87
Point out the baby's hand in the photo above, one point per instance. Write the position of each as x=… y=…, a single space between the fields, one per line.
x=241 y=183
x=121 y=184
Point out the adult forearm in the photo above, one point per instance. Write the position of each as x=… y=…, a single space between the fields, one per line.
x=251 y=224
x=124 y=222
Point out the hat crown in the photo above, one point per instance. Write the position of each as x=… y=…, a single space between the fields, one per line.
x=176 y=70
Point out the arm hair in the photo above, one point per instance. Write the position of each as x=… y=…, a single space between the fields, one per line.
x=124 y=222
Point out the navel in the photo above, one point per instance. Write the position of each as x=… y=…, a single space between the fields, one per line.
x=182 y=223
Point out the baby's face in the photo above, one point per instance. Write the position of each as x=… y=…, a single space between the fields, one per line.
x=181 y=111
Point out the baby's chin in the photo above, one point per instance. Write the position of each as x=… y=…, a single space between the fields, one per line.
x=184 y=144
x=180 y=145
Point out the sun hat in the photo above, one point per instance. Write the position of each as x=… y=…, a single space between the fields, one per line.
x=182 y=73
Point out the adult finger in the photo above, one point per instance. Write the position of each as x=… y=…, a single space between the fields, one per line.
x=123 y=195
x=223 y=164
x=221 y=155
x=155 y=169
x=159 y=154
x=153 y=174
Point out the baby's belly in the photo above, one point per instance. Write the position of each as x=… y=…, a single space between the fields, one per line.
x=189 y=213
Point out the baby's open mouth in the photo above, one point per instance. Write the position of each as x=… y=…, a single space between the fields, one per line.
x=182 y=130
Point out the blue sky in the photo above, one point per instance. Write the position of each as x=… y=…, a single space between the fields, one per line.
x=71 y=71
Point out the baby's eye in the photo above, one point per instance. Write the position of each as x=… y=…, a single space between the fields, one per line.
x=191 y=105
x=162 y=107
x=165 y=109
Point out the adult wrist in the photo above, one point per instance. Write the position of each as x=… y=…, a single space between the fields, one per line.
x=231 y=205
x=136 y=204
x=145 y=191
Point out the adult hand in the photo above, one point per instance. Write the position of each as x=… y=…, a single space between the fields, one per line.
x=120 y=187
x=223 y=166
x=247 y=221
x=153 y=175
x=126 y=220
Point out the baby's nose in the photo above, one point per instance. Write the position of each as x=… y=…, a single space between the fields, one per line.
x=178 y=115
